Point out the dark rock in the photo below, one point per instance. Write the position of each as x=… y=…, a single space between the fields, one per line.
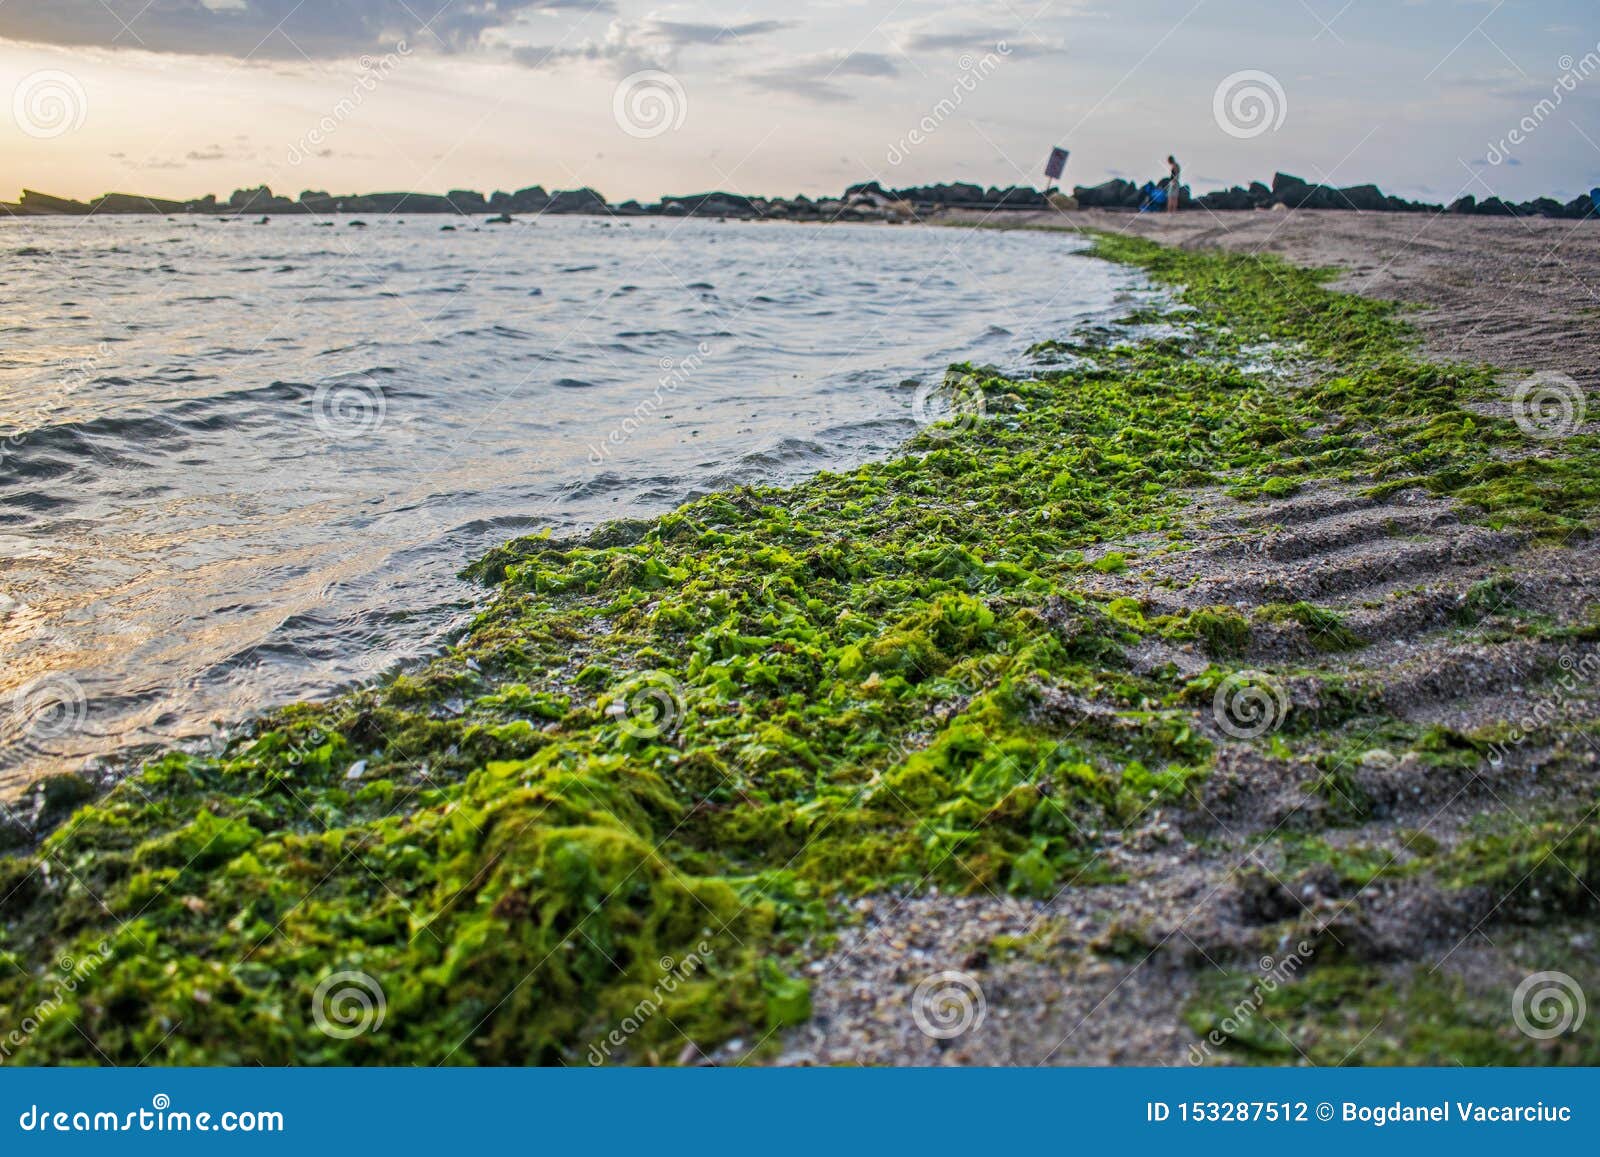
x=34 y=202
x=1113 y=194
x=869 y=189
x=60 y=794
x=1226 y=199
x=713 y=205
x=14 y=833
x=1367 y=198
x=583 y=200
x=1283 y=183
x=466 y=201
x=1016 y=197
x=530 y=200
x=258 y=200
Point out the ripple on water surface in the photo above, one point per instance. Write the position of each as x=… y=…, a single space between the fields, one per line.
x=244 y=466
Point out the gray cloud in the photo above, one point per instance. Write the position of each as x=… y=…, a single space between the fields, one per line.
x=650 y=44
x=817 y=77
x=1017 y=44
x=679 y=32
x=266 y=29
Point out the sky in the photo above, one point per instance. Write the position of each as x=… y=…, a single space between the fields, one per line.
x=178 y=98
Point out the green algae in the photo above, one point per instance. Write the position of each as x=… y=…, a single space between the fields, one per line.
x=687 y=737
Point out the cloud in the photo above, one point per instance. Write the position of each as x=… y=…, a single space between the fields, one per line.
x=651 y=43
x=817 y=77
x=266 y=29
x=212 y=153
x=1014 y=43
x=678 y=32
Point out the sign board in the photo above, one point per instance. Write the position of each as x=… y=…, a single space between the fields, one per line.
x=1056 y=165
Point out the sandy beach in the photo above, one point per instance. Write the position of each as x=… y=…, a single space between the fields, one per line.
x=1519 y=293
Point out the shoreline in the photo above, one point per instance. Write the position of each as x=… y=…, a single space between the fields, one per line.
x=742 y=715
x=666 y=443
x=1519 y=293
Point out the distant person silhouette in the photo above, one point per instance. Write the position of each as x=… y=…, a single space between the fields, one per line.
x=1173 y=184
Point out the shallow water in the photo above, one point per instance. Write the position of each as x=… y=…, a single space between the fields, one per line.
x=242 y=465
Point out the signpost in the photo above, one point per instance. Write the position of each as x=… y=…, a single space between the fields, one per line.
x=1055 y=166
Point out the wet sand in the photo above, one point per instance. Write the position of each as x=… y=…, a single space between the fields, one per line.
x=1519 y=293
x=1072 y=990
